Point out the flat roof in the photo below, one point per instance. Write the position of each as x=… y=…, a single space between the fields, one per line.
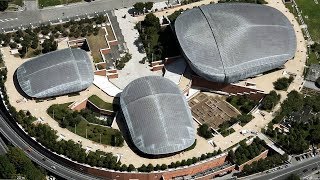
x=228 y=42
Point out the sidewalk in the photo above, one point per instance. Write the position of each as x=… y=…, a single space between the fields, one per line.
x=133 y=69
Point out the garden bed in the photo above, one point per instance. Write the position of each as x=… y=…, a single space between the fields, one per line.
x=100 y=103
x=96 y=43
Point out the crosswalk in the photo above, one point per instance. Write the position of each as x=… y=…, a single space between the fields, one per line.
x=8 y=19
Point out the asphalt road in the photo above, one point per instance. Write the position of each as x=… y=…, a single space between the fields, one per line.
x=3 y=147
x=9 y=20
x=301 y=169
x=18 y=138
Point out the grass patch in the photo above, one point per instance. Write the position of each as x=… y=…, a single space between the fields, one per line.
x=94 y=131
x=96 y=43
x=79 y=123
x=101 y=103
x=311 y=10
x=312 y=59
x=46 y=3
x=110 y=35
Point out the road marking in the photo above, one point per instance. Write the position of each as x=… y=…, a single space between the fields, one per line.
x=294 y=170
x=8 y=19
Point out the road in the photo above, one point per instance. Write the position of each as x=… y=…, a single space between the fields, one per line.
x=298 y=169
x=36 y=152
x=11 y=20
x=3 y=147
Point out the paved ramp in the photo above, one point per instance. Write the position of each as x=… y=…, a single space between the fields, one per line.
x=106 y=86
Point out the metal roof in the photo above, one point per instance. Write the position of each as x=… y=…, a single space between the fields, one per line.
x=56 y=73
x=157 y=115
x=231 y=41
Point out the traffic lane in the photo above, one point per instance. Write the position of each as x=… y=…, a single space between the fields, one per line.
x=82 y=8
x=38 y=158
x=283 y=173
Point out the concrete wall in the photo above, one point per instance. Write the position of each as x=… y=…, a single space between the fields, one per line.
x=100 y=72
x=257 y=158
x=191 y=170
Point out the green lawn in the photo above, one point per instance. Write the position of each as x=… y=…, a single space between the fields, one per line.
x=101 y=103
x=312 y=10
x=96 y=43
x=46 y=3
x=94 y=131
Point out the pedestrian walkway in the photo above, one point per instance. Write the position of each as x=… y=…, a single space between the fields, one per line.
x=175 y=70
x=103 y=83
x=133 y=69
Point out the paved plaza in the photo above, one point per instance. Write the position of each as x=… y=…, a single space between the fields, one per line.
x=134 y=70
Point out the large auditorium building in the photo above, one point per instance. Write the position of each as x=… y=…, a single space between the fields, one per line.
x=56 y=73
x=230 y=42
x=157 y=115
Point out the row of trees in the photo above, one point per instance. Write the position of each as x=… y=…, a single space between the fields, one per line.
x=158 y=42
x=15 y=164
x=246 y=152
x=142 y=8
x=29 y=37
x=150 y=167
x=272 y=161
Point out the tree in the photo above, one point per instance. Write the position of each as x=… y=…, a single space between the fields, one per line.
x=123 y=167
x=283 y=83
x=270 y=100
x=150 y=167
x=131 y=168
x=231 y=156
x=4 y=5
x=163 y=167
x=204 y=131
x=139 y=7
x=7 y=169
x=148 y=5
x=13 y=45
x=142 y=168
x=152 y=21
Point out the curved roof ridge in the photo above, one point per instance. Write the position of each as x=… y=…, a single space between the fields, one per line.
x=159 y=111
x=48 y=67
x=214 y=37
